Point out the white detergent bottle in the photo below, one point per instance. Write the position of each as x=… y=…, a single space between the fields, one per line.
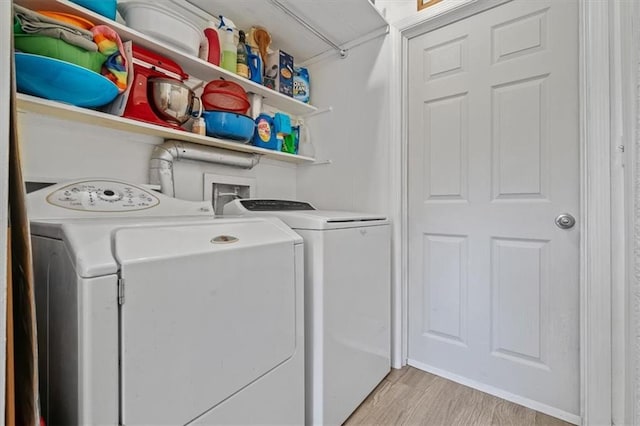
x=229 y=51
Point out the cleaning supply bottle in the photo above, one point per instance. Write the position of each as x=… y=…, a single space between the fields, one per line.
x=306 y=147
x=213 y=40
x=282 y=125
x=255 y=66
x=199 y=126
x=290 y=144
x=265 y=133
x=229 y=51
x=242 y=64
x=223 y=24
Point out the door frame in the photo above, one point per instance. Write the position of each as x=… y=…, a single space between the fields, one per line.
x=629 y=136
x=595 y=189
x=6 y=48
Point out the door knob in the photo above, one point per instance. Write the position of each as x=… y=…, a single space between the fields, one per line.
x=565 y=221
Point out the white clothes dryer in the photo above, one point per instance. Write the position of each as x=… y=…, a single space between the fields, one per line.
x=151 y=311
x=347 y=302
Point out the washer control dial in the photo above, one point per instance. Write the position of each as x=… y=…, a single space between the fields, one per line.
x=110 y=195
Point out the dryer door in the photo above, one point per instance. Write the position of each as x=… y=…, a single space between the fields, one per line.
x=202 y=316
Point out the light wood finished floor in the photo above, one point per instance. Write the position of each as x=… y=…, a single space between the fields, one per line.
x=413 y=397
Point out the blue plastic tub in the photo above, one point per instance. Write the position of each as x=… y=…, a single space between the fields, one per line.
x=105 y=8
x=61 y=81
x=229 y=125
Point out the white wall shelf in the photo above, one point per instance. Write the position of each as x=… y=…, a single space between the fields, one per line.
x=59 y=110
x=192 y=65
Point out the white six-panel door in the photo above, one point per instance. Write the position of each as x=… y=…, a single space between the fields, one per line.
x=493 y=159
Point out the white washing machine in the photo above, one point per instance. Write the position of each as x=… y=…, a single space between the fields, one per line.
x=150 y=311
x=347 y=302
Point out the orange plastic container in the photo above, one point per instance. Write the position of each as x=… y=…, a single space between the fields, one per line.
x=68 y=18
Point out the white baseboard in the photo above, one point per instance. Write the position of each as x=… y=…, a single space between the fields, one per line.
x=534 y=405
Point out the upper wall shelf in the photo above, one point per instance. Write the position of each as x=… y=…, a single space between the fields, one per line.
x=62 y=111
x=193 y=66
x=340 y=21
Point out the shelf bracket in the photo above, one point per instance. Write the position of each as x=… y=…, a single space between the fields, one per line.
x=343 y=52
x=318 y=163
x=255 y=100
x=318 y=112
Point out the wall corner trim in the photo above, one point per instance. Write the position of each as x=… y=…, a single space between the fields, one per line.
x=595 y=228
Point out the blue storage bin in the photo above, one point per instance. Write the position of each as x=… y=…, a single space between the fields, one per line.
x=105 y=8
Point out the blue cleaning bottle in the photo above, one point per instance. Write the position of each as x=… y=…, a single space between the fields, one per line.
x=255 y=67
x=265 y=133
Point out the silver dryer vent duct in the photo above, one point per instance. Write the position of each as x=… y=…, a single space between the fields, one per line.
x=163 y=157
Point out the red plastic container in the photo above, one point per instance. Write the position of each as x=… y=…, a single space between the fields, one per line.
x=222 y=95
x=213 y=56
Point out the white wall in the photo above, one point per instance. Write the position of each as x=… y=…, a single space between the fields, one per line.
x=355 y=136
x=396 y=10
x=55 y=150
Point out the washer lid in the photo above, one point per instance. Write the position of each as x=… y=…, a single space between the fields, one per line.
x=169 y=241
x=269 y=205
x=328 y=219
x=302 y=215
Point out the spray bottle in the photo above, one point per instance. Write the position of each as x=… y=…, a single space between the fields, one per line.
x=228 y=45
x=229 y=51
